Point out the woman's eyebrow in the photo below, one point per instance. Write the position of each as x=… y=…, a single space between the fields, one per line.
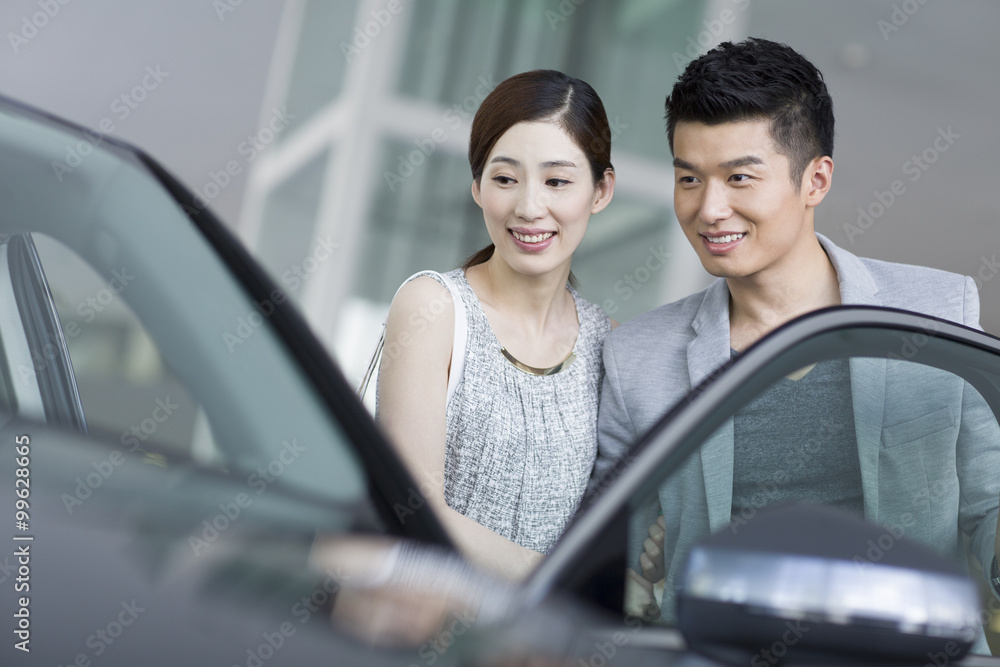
x=517 y=163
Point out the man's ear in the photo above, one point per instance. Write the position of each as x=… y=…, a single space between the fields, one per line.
x=476 y=193
x=604 y=192
x=817 y=179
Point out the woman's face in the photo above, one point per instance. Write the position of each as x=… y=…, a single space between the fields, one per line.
x=537 y=194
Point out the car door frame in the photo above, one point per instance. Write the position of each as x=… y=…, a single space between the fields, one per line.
x=389 y=482
x=592 y=548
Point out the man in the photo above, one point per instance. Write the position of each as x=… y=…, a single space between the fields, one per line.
x=750 y=126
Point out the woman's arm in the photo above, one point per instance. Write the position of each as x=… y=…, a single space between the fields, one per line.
x=412 y=390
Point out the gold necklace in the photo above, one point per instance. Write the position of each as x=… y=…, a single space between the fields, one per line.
x=533 y=370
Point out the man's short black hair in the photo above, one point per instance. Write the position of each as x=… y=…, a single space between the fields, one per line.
x=758 y=79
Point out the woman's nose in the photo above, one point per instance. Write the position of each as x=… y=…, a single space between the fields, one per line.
x=530 y=202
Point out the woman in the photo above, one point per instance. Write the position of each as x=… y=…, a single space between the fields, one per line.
x=501 y=437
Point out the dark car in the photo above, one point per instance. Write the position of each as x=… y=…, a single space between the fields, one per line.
x=190 y=480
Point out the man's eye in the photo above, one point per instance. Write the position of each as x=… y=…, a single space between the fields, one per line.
x=739 y=178
x=687 y=180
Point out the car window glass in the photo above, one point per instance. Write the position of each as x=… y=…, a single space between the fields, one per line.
x=203 y=342
x=126 y=388
x=910 y=446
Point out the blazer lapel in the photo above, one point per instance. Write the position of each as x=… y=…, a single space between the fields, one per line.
x=708 y=350
x=857 y=287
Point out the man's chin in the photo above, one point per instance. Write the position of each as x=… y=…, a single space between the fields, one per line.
x=719 y=271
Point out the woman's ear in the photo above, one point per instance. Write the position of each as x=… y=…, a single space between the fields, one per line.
x=605 y=190
x=476 y=193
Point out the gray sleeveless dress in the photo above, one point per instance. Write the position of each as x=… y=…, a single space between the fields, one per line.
x=520 y=447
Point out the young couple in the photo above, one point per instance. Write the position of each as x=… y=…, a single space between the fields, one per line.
x=495 y=402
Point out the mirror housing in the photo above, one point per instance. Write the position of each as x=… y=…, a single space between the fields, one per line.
x=802 y=580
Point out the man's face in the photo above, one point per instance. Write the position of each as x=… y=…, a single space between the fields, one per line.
x=734 y=198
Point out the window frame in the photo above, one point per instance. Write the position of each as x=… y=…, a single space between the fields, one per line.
x=593 y=546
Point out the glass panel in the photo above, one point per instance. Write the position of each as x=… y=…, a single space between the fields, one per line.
x=112 y=215
x=125 y=387
x=422 y=221
x=288 y=224
x=621 y=263
x=320 y=61
x=910 y=446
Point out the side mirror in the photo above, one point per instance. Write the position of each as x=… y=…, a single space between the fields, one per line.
x=797 y=582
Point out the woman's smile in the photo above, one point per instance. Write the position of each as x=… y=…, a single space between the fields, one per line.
x=532 y=240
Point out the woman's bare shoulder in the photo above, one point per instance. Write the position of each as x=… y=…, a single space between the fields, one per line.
x=422 y=307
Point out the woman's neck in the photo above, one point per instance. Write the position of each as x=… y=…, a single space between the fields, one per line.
x=532 y=300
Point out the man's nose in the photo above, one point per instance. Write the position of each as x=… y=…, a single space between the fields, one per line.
x=715 y=203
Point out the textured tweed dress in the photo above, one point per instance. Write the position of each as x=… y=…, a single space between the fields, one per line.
x=520 y=447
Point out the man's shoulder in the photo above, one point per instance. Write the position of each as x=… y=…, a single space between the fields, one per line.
x=920 y=288
x=893 y=273
x=907 y=286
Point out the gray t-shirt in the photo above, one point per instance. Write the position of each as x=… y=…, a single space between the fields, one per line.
x=796 y=441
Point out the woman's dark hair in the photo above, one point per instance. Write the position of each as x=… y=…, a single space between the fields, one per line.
x=758 y=79
x=540 y=95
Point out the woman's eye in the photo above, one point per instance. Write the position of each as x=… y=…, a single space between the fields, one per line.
x=556 y=182
x=503 y=180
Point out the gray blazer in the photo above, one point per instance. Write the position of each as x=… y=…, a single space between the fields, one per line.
x=928 y=445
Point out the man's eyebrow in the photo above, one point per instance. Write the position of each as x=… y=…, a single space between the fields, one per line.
x=728 y=164
x=742 y=161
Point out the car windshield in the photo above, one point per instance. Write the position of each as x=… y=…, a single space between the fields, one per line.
x=173 y=357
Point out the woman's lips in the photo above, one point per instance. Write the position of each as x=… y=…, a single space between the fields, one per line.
x=535 y=242
x=720 y=244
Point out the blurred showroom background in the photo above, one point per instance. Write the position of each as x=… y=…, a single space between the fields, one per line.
x=331 y=135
